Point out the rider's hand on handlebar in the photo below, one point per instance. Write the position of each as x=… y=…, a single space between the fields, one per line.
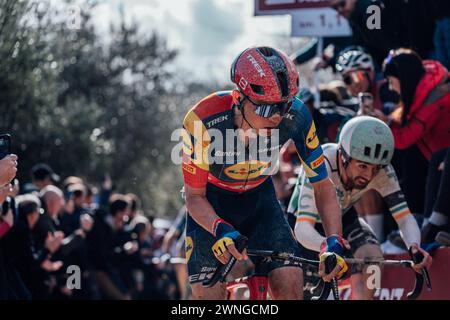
x=426 y=261
x=336 y=245
x=224 y=247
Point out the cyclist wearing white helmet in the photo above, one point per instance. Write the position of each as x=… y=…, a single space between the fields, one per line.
x=358 y=72
x=359 y=163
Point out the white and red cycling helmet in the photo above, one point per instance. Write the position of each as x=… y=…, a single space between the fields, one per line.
x=265 y=74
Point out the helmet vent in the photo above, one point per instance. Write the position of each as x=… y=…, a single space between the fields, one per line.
x=377 y=150
x=257 y=89
x=265 y=51
x=367 y=151
x=283 y=83
x=385 y=154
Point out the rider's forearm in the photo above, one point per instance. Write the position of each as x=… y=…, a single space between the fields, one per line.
x=409 y=230
x=328 y=207
x=308 y=236
x=201 y=211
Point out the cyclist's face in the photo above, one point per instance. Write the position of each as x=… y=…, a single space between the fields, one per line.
x=262 y=125
x=361 y=173
x=356 y=82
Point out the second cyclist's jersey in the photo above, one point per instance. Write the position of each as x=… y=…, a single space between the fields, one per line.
x=385 y=183
x=212 y=152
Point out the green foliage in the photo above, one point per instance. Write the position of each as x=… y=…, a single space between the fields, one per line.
x=87 y=107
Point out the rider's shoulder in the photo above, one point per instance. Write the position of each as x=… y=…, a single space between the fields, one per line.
x=330 y=149
x=299 y=108
x=217 y=102
x=298 y=115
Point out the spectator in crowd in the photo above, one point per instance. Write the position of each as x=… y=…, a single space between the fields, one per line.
x=53 y=203
x=91 y=198
x=21 y=253
x=420 y=123
x=437 y=203
x=174 y=243
x=402 y=24
x=441 y=11
x=106 y=248
x=70 y=220
x=8 y=169
x=43 y=175
x=332 y=45
x=358 y=72
x=134 y=206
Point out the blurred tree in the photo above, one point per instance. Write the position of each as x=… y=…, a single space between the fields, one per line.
x=87 y=107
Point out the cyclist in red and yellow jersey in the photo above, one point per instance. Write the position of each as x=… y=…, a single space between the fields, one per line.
x=230 y=149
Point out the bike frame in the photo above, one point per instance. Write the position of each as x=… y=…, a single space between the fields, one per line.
x=257 y=285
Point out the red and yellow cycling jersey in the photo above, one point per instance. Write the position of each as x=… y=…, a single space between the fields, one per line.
x=213 y=154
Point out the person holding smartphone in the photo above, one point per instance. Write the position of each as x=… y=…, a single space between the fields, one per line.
x=358 y=72
x=8 y=162
x=8 y=170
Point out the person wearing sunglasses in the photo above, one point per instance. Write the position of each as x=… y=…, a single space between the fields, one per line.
x=358 y=72
x=357 y=69
x=357 y=164
x=229 y=192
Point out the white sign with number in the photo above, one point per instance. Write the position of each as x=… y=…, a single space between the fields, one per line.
x=319 y=22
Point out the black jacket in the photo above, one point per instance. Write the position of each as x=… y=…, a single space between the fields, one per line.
x=21 y=254
x=404 y=23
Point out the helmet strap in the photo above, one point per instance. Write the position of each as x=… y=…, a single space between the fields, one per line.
x=238 y=101
x=345 y=158
x=243 y=116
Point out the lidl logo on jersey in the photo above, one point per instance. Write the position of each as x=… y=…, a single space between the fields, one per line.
x=312 y=141
x=189 y=247
x=247 y=170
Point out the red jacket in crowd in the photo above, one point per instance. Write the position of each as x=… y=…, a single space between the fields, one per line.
x=428 y=121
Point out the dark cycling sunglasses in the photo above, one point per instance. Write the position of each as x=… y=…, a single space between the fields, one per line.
x=268 y=110
x=347 y=79
x=353 y=77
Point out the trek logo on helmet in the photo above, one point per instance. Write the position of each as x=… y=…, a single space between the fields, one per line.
x=256 y=66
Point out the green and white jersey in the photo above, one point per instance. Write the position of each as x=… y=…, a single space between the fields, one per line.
x=385 y=183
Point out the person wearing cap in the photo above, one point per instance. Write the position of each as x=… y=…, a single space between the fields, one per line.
x=357 y=69
x=43 y=175
x=360 y=162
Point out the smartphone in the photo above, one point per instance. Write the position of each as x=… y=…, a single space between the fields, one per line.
x=5 y=145
x=8 y=204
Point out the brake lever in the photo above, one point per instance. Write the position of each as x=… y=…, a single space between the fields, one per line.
x=224 y=269
x=330 y=263
x=424 y=275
